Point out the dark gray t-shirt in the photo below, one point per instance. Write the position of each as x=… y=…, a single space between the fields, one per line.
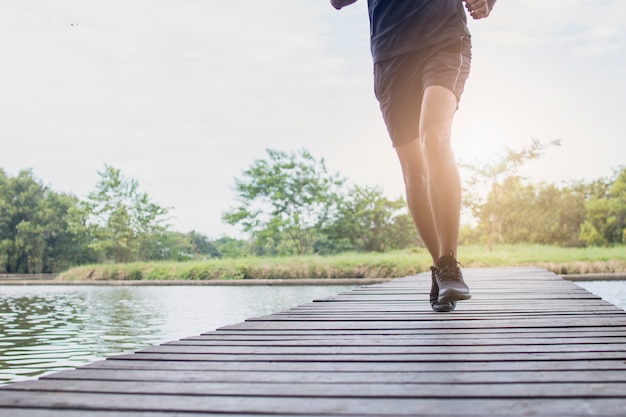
x=401 y=26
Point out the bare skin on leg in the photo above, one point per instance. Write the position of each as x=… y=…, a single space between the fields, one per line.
x=431 y=176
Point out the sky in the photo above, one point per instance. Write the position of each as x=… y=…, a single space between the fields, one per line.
x=184 y=95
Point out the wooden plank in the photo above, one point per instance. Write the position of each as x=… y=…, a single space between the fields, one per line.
x=373 y=406
x=399 y=341
x=340 y=377
x=386 y=358
x=412 y=349
x=141 y=363
x=479 y=334
x=483 y=333
x=396 y=317
x=364 y=389
x=440 y=321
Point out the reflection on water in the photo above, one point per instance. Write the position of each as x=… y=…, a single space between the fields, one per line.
x=50 y=328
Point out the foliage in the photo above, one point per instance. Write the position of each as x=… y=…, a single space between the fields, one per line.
x=514 y=211
x=605 y=218
x=347 y=265
x=287 y=194
x=558 y=214
x=201 y=245
x=542 y=214
x=229 y=247
x=34 y=236
x=492 y=205
x=361 y=265
x=290 y=205
x=45 y=231
x=367 y=221
x=123 y=224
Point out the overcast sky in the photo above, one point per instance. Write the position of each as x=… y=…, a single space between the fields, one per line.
x=183 y=95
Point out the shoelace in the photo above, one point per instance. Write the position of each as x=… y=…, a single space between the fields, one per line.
x=450 y=273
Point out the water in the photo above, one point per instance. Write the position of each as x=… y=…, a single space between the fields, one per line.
x=612 y=291
x=46 y=329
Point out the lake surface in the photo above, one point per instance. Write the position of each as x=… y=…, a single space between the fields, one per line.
x=51 y=328
x=45 y=329
x=612 y=291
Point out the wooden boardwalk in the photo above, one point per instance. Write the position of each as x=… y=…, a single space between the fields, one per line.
x=527 y=344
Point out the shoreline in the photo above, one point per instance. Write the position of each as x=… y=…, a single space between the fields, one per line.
x=40 y=281
x=180 y=282
x=609 y=276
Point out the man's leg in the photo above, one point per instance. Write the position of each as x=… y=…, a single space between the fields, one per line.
x=413 y=164
x=444 y=189
x=444 y=183
x=431 y=179
x=433 y=189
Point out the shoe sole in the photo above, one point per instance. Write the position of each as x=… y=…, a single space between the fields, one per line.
x=443 y=308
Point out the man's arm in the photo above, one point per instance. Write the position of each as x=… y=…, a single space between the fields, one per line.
x=338 y=4
x=479 y=9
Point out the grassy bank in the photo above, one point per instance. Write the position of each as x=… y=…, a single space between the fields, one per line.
x=384 y=265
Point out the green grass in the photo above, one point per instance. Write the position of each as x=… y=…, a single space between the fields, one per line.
x=369 y=265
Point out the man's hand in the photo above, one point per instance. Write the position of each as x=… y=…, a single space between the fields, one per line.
x=338 y=4
x=479 y=9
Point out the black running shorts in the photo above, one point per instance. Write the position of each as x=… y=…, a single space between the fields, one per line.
x=399 y=83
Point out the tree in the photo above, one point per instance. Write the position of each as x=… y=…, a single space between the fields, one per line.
x=542 y=214
x=123 y=224
x=229 y=247
x=64 y=248
x=34 y=235
x=558 y=214
x=486 y=204
x=201 y=245
x=368 y=221
x=285 y=201
x=605 y=219
x=21 y=232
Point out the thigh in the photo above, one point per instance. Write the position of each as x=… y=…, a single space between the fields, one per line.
x=445 y=73
x=438 y=107
x=448 y=65
x=398 y=85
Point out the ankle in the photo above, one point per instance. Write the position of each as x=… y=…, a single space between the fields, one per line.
x=446 y=260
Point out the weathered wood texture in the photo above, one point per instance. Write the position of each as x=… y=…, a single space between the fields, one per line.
x=527 y=343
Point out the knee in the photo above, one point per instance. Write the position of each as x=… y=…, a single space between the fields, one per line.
x=414 y=173
x=411 y=157
x=414 y=177
x=436 y=145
